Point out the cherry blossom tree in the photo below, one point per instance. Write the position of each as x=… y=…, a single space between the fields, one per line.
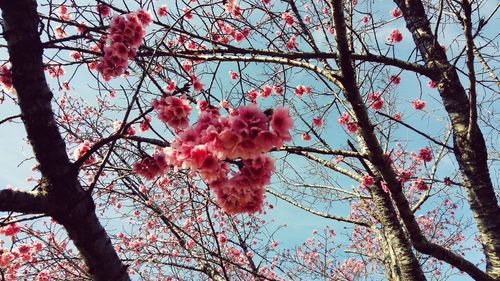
x=163 y=133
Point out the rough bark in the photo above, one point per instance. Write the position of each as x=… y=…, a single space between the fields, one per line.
x=377 y=157
x=23 y=202
x=469 y=144
x=68 y=203
x=408 y=265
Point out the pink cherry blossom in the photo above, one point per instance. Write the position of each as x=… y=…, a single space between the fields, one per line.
x=233 y=75
x=172 y=110
x=397 y=116
x=395 y=79
x=396 y=13
x=266 y=91
x=292 y=43
x=162 y=11
x=125 y=36
x=6 y=78
x=288 y=18
x=11 y=229
x=418 y=104
x=395 y=36
x=425 y=154
x=419 y=184
x=367 y=181
x=103 y=10
x=81 y=150
x=281 y=122
x=344 y=118
x=151 y=167
x=306 y=136
x=352 y=127
x=197 y=85
x=224 y=103
x=317 y=121
x=375 y=100
x=43 y=276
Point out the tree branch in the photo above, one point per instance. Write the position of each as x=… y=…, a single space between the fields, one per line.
x=23 y=202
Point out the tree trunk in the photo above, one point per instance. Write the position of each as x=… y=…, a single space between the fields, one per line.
x=68 y=203
x=470 y=149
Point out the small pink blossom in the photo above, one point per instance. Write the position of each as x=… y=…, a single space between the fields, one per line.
x=292 y=43
x=222 y=238
x=425 y=154
x=306 y=136
x=352 y=127
x=367 y=181
x=162 y=11
x=375 y=100
x=396 y=13
x=397 y=116
x=281 y=122
x=103 y=10
x=43 y=276
x=197 y=85
x=173 y=110
x=344 y=118
x=288 y=18
x=266 y=91
x=317 y=121
x=233 y=75
x=151 y=167
x=418 y=104
x=395 y=79
x=395 y=36
x=224 y=103
x=419 y=184
x=6 y=78
x=278 y=89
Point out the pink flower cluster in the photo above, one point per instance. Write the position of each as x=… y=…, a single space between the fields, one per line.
x=344 y=119
x=244 y=192
x=396 y=13
x=6 y=78
x=125 y=36
x=288 y=18
x=395 y=36
x=375 y=100
x=367 y=181
x=418 y=104
x=395 y=79
x=162 y=11
x=425 y=154
x=292 y=42
x=301 y=89
x=63 y=13
x=173 y=110
x=81 y=150
x=151 y=167
x=247 y=134
x=12 y=259
x=228 y=31
x=420 y=185
x=233 y=9
x=10 y=230
x=103 y=10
